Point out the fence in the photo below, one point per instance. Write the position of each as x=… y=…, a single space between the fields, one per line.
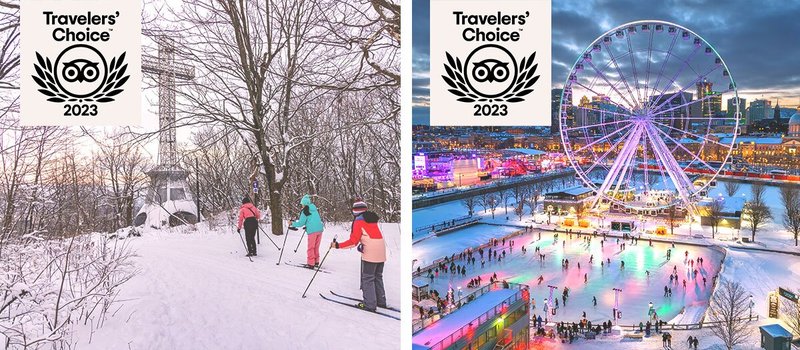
x=483 y=318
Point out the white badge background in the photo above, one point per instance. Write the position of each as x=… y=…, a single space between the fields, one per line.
x=446 y=36
x=125 y=36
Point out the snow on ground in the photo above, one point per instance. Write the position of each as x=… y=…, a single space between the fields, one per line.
x=638 y=289
x=197 y=291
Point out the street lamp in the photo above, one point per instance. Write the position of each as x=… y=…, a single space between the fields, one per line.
x=550 y=300
x=616 y=303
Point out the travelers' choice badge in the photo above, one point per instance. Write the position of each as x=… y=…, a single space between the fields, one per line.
x=81 y=62
x=490 y=62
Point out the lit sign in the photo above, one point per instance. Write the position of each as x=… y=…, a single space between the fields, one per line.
x=419 y=162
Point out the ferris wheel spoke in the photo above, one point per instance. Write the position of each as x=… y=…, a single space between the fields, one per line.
x=597 y=125
x=667 y=55
x=661 y=167
x=672 y=80
x=606 y=153
x=693 y=134
x=603 y=76
x=647 y=71
x=635 y=75
x=706 y=97
x=599 y=94
x=603 y=138
x=683 y=89
x=677 y=117
x=678 y=178
x=622 y=163
x=622 y=79
x=687 y=150
x=602 y=111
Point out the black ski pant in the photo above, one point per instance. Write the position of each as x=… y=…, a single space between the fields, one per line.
x=250 y=229
x=372 y=285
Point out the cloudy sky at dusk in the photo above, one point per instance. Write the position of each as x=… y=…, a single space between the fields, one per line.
x=757 y=39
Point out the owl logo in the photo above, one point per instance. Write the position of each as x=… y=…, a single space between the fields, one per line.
x=80 y=70
x=490 y=74
x=490 y=70
x=80 y=73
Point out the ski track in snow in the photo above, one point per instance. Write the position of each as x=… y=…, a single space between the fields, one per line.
x=198 y=291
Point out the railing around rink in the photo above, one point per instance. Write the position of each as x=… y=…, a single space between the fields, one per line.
x=421 y=324
x=483 y=318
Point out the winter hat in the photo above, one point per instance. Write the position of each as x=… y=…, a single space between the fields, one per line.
x=359 y=206
x=246 y=200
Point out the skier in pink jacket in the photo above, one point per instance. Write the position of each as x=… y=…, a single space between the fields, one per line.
x=249 y=216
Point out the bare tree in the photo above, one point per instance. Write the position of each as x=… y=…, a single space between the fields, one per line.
x=728 y=313
x=731 y=188
x=491 y=202
x=503 y=197
x=790 y=196
x=470 y=203
x=672 y=218
x=484 y=201
x=533 y=200
x=715 y=215
x=790 y=313
x=756 y=210
x=286 y=77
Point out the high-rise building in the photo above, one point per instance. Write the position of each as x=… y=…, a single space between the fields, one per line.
x=555 y=109
x=759 y=110
x=676 y=115
x=709 y=106
x=732 y=106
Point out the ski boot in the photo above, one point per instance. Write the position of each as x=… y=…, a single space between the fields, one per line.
x=363 y=306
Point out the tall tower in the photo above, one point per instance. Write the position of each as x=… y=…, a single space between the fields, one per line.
x=169 y=199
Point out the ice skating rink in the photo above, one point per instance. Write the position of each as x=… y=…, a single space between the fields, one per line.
x=637 y=288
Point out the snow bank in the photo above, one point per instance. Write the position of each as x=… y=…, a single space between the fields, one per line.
x=198 y=291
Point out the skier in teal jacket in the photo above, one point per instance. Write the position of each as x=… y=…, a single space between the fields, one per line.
x=309 y=217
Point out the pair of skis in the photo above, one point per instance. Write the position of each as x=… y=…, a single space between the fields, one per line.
x=306 y=266
x=380 y=311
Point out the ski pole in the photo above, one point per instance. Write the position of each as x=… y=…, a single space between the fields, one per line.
x=318 y=267
x=285 y=236
x=270 y=239
x=301 y=240
x=244 y=244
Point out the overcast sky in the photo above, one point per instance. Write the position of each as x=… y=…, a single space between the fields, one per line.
x=759 y=40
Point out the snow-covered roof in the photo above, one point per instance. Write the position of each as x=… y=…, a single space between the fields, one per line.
x=526 y=151
x=776 y=331
x=451 y=323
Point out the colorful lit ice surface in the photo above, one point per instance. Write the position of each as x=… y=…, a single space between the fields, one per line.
x=637 y=288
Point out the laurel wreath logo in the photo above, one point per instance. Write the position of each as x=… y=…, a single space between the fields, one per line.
x=521 y=87
x=45 y=78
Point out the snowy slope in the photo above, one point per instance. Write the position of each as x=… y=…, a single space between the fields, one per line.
x=198 y=291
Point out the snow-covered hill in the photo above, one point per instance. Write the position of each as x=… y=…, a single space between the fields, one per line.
x=196 y=290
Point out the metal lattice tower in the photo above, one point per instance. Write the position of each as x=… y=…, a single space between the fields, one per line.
x=167 y=70
x=169 y=196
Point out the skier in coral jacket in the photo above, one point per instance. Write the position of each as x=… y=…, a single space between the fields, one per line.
x=366 y=236
x=249 y=216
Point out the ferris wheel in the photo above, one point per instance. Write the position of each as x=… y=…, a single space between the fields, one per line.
x=641 y=116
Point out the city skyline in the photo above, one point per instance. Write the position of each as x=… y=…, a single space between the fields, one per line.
x=736 y=37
